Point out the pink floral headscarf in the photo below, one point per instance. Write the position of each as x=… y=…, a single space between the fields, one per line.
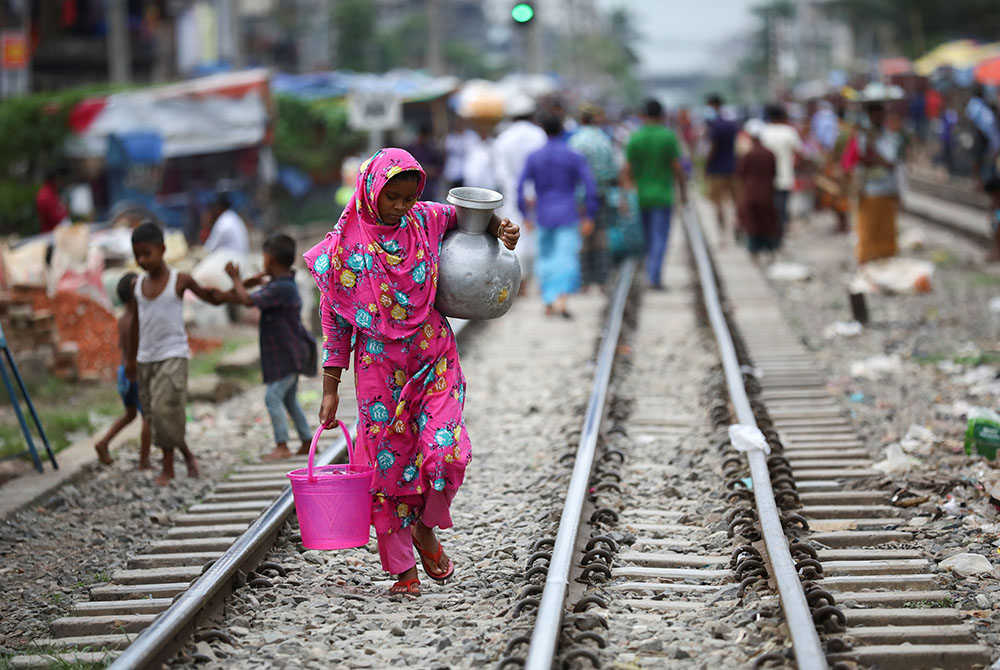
x=381 y=279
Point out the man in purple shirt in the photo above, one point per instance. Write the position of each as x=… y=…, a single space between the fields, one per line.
x=720 y=164
x=556 y=172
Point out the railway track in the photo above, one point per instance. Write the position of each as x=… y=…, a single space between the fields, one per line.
x=670 y=548
x=949 y=207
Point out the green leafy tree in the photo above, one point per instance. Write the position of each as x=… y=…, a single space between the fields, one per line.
x=918 y=25
x=33 y=133
x=355 y=22
x=313 y=136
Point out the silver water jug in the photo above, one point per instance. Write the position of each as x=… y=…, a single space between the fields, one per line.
x=478 y=277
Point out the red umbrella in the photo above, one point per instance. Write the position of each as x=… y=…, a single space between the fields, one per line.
x=988 y=72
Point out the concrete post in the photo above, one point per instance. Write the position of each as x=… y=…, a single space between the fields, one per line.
x=119 y=44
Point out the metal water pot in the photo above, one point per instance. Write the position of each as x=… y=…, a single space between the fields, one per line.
x=478 y=277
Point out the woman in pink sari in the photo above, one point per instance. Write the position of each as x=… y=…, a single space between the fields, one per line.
x=377 y=273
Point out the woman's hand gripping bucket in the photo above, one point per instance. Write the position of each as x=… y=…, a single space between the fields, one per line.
x=333 y=502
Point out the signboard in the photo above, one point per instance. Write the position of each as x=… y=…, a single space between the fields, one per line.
x=13 y=50
x=367 y=110
x=13 y=63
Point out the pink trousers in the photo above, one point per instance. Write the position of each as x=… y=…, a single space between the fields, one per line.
x=396 y=548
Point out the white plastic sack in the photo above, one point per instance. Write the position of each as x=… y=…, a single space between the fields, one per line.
x=211 y=271
x=25 y=265
x=748 y=438
x=896 y=275
x=877 y=367
x=843 y=329
x=896 y=461
x=788 y=272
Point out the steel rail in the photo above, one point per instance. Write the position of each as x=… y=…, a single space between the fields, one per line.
x=548 y=621
x=806 y=644
x=167 y=632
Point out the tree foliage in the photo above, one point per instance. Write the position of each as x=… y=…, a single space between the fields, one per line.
x=917 y=25
x=355 y=22
x=33 y=133
x=313 y=136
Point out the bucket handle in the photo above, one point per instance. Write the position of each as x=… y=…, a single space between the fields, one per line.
x=351 y=450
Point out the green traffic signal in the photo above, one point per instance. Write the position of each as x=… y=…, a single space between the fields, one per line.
x=522 y=12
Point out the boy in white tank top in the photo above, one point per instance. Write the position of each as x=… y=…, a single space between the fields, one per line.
x=158 y=351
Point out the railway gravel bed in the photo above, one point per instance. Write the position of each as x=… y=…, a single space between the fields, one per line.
x=528 y=381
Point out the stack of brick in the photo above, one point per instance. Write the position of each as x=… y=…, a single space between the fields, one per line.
x=33 y=339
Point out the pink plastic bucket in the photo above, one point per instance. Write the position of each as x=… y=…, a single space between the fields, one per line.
x=333 y=502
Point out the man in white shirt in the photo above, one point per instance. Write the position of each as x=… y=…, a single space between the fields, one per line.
x=784 y=142
x=511 y=149
x=228 y=231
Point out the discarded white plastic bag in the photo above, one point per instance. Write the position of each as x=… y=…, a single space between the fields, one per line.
x=877 y=367
x=897 y=275
x=918 y=439
x=748 y=438
x=896 y=461
x=843 y=329
x=782 y=271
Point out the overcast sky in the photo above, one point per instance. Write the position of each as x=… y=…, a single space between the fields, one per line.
x=685 y=35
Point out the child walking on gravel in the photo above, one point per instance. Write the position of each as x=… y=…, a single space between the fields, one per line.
x=377 y=272
x=127 y=389
x=159 y=346
x=286 y=347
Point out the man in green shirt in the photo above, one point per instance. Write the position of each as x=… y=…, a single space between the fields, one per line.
x=654 y=163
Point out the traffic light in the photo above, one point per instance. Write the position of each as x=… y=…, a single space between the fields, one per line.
x=522 y=12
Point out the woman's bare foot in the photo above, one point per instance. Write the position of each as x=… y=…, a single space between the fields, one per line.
x=435 y=561
x=279 y=453
x=102 y=453
x=164 y=478
x=407 y=583
x=144 y=465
